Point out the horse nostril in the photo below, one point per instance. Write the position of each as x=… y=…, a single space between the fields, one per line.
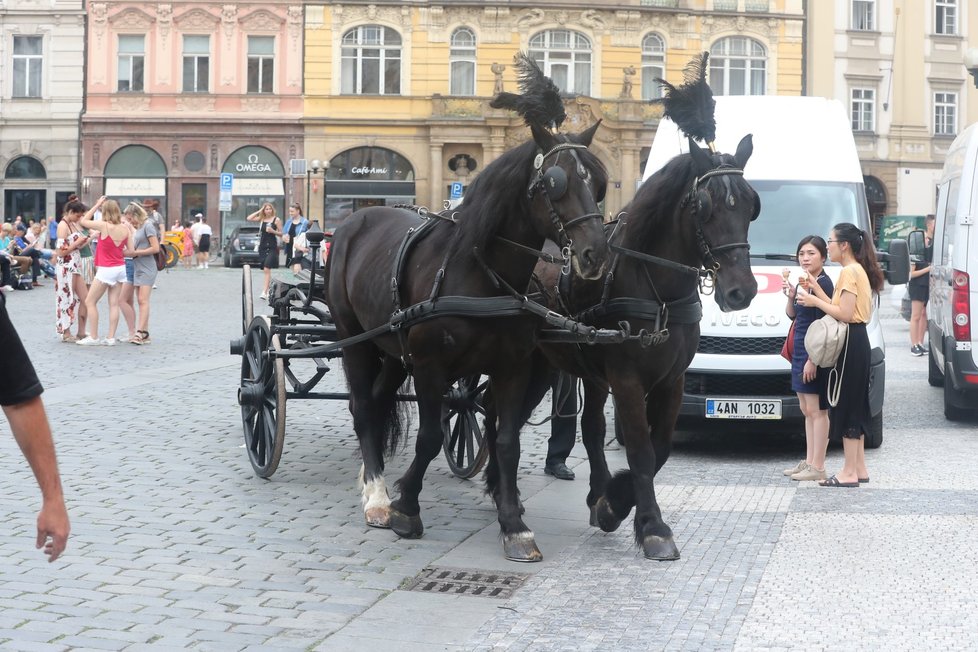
x=735 y=297
x=587 y=256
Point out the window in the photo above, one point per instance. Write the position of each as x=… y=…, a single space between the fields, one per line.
x=28 y=58
x=131 y=61
x=653 y=65
x=462 y=57
x=371 y=61
x=261 y=64
x=738 y=66
x=945 y=114
x=196 y=63
x=863 y=109
x=565 y=56
x=946 y=18
x=864 y=15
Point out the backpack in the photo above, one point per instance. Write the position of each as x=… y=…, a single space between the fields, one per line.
x=825 y=339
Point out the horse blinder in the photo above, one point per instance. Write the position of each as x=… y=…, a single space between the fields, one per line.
x=555 y=182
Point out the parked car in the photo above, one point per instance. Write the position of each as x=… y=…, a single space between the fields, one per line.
x=242 y=246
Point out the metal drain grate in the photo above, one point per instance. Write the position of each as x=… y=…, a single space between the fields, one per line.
x=461 y=581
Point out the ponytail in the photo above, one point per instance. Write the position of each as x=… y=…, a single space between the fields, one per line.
x=863 y=251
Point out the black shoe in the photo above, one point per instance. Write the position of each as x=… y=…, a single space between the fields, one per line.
x=917 y=350
x=559 y=471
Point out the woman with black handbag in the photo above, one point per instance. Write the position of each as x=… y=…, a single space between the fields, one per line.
x=807 y=380
x=852 y=303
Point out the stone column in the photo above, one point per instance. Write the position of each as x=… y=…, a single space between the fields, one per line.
x=436 y=188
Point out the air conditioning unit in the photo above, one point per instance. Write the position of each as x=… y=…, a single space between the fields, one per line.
x=297 y=166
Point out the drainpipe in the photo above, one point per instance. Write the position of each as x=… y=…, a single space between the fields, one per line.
x=804 y=47
x=84 y=98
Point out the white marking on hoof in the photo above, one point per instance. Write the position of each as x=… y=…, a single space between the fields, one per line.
x=376 y=502
x=523 y=536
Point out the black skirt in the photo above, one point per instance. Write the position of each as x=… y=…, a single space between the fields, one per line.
x=851 y=419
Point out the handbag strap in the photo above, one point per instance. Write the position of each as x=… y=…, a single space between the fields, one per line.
x=834 y=393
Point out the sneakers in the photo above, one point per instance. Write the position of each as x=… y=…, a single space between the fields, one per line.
x=109 y=341
x=917 y=350
x=798 y=468
x=809 y=473
x=263 y=295
x=7 y=288
x=88 y=340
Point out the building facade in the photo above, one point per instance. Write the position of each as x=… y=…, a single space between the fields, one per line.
x=180 y=92
x=41 y=94
x=397 y=95
x=898 y=65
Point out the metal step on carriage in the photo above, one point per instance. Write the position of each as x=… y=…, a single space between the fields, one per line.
x=285 y=355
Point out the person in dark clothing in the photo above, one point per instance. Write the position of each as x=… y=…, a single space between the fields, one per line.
x=563 y=426
x=919 y=290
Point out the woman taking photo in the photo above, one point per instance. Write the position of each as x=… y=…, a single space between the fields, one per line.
x=294 y=227
x=270 y=230
x=851 y=302
x=144 y=245
x=807 y=380
x=113 y=239
x=70 y=288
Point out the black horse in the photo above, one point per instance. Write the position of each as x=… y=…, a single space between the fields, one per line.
x=546 y=188
x=692 y=214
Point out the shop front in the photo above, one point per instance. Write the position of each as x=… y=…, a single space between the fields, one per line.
x=24 y=189
x=135 y=173
x=366 y=176
x=259 y=177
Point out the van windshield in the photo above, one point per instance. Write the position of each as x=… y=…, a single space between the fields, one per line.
x=791 y=210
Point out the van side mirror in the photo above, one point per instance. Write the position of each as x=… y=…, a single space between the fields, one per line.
x=915 y=241
x=896 y=262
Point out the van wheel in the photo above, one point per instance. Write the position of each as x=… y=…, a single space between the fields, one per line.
x=934 y=376
x=874 y=438
x=952 y=397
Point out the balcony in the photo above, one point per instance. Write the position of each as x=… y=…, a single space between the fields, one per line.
x=666 y=4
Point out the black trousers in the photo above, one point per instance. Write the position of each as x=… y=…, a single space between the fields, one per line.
x=563 y=426
x=4 y=271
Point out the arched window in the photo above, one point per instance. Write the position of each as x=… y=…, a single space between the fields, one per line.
x=738 y=66
x=565 y=56
x=25 y=167
x=371 y=61
x=653 y=65
x=462 y=55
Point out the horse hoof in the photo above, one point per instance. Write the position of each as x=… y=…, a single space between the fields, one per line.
x=660 y=548
x=521 y=547
x=604 y=517
x=378 y=517
x=404 y=526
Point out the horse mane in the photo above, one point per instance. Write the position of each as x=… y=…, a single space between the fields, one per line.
x=499 y=192
x=657 y=199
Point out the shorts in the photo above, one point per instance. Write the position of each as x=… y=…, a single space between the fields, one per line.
x=269 y=258
x=130 y=271
x=918 y=292
x=204 y=246
x=111 y=275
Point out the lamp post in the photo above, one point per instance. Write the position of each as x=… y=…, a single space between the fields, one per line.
x=971 y=63
x=315 y=168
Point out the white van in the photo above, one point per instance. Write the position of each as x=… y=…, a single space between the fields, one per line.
x=953 y=306
x=806 y=170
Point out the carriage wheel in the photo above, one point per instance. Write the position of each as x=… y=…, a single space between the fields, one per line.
x=172 y=255
x=247 y=299
x=465 y=440
x=262 y=397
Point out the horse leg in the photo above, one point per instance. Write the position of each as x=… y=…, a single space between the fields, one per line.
x=405 y=510
x=592 y=436
x=386 y=428
x=651 y=532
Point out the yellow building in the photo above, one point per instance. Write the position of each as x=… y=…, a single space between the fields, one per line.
x=397 y=95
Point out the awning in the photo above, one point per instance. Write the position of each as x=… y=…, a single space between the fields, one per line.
x=135 y=187
x=257 y=187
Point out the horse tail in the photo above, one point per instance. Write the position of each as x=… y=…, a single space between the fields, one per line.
x=620 y=493
x=396 y=422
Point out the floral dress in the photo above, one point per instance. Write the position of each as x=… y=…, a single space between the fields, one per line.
x=188 y=243
x=65 y=299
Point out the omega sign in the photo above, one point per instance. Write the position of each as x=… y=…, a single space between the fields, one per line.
x=368 y=170
x=253 y=165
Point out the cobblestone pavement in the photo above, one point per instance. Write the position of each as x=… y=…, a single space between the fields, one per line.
x=176 y=544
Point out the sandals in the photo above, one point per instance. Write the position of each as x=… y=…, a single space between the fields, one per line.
x=835 y=482
x=69 y=338
x=141 y=337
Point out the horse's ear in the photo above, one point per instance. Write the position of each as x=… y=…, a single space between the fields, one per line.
x=701 y=157
x=744 y=150
x=543 y=138
x=586 y=136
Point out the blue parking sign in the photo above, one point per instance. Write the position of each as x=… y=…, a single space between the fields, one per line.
x=456 y=192
x=227 y=181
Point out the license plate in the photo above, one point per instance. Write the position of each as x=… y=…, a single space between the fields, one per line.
x=725 y=408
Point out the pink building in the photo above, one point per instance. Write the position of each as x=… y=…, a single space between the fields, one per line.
x=180 y=92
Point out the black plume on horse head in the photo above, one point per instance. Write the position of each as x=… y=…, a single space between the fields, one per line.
x=539 y=101
x=691 y=106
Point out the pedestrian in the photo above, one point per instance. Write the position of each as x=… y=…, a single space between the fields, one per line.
x=52 y=230
x=113 y=238
x=295 y=226
x=145 y=243
x=270 y=230
x=70 y=289
x=852 y=303
x=563 y=426
x=919 y=290
x=20 y=396
x=202 y=238
x=187 y=253
x=808 y=381
x=126 y=302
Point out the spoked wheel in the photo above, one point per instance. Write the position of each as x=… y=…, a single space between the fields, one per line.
x=172 y=255
x=247 y=299
x=465 y=440
x=262 y=397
